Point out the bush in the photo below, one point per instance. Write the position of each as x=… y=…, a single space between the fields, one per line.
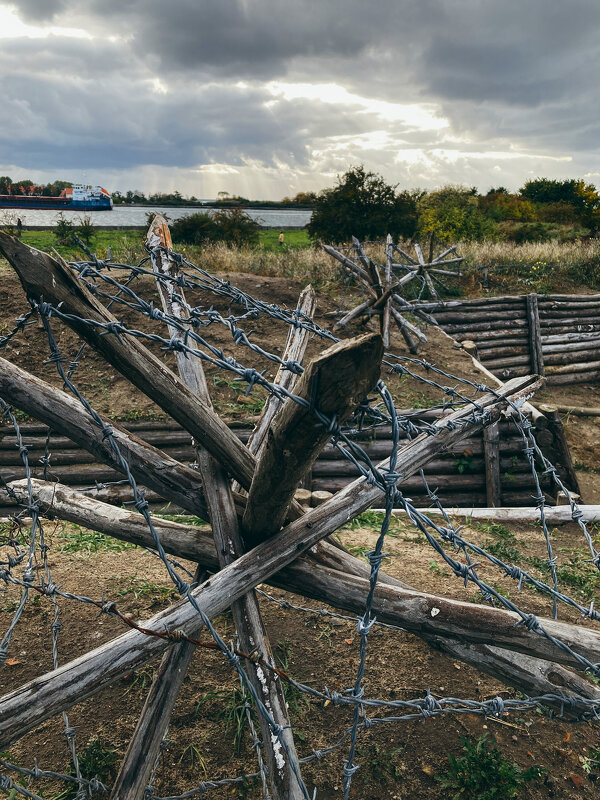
x=232 y=226
x=362 y=205
x=534 y=232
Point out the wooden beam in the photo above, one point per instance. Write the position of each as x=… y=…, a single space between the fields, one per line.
x=535 y=339
x=333 y=384
x=65 y=415
x=152 y=725
x=535 y=677
x=491 y=448
x=294 y=350
x=45 y=278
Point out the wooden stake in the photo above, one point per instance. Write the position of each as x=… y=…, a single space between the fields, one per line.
x=334 y=384
x=46 y=278
x=145 y=744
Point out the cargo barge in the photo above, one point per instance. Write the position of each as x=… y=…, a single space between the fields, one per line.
x=75 y=198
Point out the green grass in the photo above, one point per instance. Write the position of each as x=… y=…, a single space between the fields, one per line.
x=75 y=539
x=297 y=239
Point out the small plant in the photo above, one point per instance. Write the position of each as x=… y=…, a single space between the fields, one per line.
x=63 y=230
x=193 y=758
x=85 y=229
x=483 y=773
x=140 y=680
x=591 y=762
x=464 y=463
x=97 y=760
x=233 y=703
x=379 y=764
x=435 y=567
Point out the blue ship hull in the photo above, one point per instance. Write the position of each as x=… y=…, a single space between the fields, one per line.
x=55 y=204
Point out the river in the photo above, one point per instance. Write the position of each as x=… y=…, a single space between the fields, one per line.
x=135 y=216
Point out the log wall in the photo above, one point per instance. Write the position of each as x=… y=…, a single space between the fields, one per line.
x=458 y=476
x=556 y=335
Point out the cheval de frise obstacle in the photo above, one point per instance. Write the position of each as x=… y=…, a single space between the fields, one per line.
x=257 y=533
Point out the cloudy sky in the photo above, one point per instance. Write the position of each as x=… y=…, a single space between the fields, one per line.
x=270 y=97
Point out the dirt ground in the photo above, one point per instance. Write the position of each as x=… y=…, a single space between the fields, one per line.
x=398 y=760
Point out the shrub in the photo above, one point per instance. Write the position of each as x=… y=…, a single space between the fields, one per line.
x=484 y=774
x=232 y=226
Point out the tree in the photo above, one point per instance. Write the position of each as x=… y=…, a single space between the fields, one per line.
x=362 y=205
x=581 y=196
x=452 y=213
x=5 y=184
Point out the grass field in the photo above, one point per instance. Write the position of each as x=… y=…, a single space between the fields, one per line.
x=514 y=268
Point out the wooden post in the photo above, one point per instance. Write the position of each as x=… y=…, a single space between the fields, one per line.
x=535 y=339
x=491 y=448
x=335 y=383
x=151 y=728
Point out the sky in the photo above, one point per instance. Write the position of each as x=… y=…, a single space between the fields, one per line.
x=267 y=98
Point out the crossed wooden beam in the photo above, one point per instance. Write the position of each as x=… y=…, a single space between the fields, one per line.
x=288 y=547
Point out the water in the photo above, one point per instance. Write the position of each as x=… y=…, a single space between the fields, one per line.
x=135 y=216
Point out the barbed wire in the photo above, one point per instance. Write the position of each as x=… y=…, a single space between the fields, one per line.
x=443 y=538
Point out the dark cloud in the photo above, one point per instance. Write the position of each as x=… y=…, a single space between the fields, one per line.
x=508 y=77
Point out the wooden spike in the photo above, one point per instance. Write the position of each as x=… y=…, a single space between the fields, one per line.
x=334 y=384
x=152 y=725
x=43 y=277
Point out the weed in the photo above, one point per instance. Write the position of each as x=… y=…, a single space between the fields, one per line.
x=233 y=704
x=97 y=760
x=435 y=567
x=483 y=773
x=464 y=463
x=141 y=680
x=193 y=758
x=141 y=588
x=379 y=764
x=591 y=762
x=295 y=700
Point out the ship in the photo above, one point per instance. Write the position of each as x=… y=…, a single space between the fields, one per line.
x=75 y=198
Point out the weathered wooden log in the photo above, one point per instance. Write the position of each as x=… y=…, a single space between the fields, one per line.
x=501 y=352
x=495 y=364
x=196 y=544
x=535 y=340
x=579 y=356
x=508 y=326
x=152 y=725
x=587 y=366
x=576 y=331
x=491 y=444
x=44 y=277
x=347 y=263
x=336 y=382
x=294 y=350
x=574 y=323
x=573 y=377
x=465 y=317
x=64 y=414
x=31 y=704
x=509 y=336
x=572 y=347
x=357 y=311
x=577 y=411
